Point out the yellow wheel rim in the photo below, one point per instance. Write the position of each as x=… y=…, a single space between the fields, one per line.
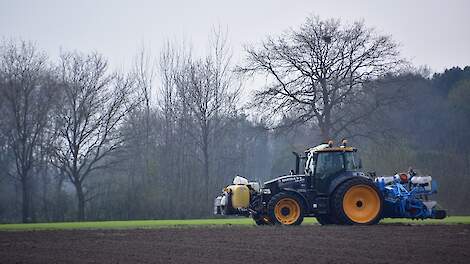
x=361 y=203
x=287 y=211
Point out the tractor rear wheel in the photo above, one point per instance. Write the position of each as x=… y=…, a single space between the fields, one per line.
x=358 y=201
x=285 y=209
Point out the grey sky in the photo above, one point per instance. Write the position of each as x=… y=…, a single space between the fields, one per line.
x=433 y=33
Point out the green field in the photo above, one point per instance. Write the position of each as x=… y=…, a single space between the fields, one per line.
x=191 y=223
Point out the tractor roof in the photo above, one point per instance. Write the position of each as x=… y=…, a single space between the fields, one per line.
x=338 y=149
x=326 y=148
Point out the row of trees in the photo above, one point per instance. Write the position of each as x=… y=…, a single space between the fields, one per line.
x=59 y=119
x=79 y=141
x=76 y=132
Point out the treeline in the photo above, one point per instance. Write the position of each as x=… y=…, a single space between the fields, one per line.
x=82 y=142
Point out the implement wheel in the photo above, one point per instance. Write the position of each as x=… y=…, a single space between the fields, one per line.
x=286 y=209
x=358 y=201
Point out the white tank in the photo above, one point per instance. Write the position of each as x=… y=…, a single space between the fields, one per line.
x=240 y=180
x=386 y=179
x=421 y=179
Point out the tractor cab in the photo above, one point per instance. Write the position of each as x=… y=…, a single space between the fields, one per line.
x=325 y=163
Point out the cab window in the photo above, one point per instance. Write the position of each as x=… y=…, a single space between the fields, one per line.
x=329 y=163
x=351 y=160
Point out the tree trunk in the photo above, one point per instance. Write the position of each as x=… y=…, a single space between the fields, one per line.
x=205 y=151
x=25 y=199
x=325 y=120
x=325 y=129
x=58 y=211
x=81 y=202
x=206 y=172
x=325 y=133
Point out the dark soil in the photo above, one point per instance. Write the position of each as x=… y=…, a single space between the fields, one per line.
x=230 y=244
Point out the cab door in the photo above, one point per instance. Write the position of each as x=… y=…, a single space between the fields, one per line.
x=328 y=166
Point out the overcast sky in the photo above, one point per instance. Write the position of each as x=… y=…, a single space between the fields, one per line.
x=433 y=33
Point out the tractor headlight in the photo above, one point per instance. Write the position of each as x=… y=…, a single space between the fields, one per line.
x=265 y=191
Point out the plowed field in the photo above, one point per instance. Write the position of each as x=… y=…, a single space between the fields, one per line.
x=231 y=244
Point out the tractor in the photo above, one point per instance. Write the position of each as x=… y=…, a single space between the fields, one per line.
x=333 y=189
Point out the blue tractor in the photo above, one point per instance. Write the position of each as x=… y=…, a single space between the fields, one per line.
x=333 y=189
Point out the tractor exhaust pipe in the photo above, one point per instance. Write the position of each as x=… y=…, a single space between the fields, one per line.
x=297 y=162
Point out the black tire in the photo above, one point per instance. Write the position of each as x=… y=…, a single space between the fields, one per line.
x=261 y=220
x=285 y=209
x=440 y=214
x=347 y=210
x=325 y=220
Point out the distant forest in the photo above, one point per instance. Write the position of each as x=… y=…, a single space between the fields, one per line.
x=79 y=141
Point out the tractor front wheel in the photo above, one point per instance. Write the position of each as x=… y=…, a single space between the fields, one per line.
x=358 y=201
x=285 y=209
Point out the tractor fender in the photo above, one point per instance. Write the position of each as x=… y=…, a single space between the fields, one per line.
x=299 y=195
x=343 y=178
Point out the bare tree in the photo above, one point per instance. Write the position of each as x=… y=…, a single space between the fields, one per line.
x=170 y=64
x=317 y=73
x=206 y=87
x=28 y=92
x=144 y=71
x=93 y=107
